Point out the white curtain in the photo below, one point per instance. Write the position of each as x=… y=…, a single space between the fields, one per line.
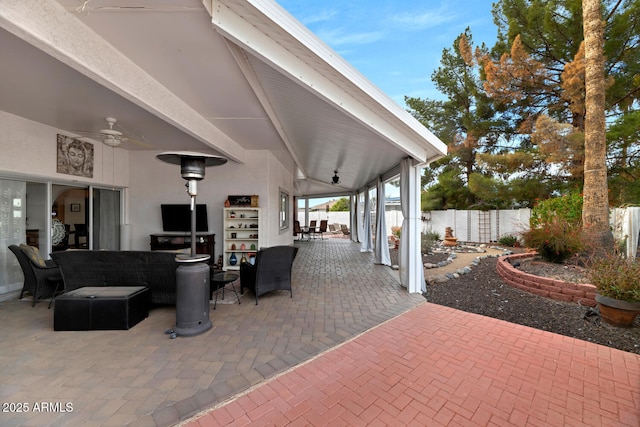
x=633 y=227
x=381 y=249
x=13 y=218
x=367 y=244
x=355 y=215
x=409 y=254
x=625 y=223
x=106 y=219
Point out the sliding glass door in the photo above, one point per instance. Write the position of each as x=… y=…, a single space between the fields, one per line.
x=13 y=226
x=54 y=217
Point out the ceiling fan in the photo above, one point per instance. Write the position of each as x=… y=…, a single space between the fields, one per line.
x=113 y=137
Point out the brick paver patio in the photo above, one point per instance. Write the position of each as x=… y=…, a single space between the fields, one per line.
x=435 y=366
x=351 y=348
x=140 y=377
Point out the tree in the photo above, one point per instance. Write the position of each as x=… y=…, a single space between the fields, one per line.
x=623 y=159
x=537 y=70
x=465 y=121
x=341 y=205
x=595 y=208
x=514 y=117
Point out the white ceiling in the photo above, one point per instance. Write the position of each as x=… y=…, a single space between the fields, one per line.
x=252 y=79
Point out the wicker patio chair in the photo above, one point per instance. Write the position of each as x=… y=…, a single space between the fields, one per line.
x=271 y=271
x=41 y=277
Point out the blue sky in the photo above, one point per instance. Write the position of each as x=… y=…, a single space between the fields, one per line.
x=396 y=44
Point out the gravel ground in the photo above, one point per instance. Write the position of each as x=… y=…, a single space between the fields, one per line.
x=483 y=292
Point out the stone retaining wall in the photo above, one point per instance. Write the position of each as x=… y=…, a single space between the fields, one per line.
x=581 y=293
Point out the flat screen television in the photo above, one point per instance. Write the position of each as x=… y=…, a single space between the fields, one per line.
x=178 y=218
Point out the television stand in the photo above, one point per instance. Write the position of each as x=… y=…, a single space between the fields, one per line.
x=172 y=241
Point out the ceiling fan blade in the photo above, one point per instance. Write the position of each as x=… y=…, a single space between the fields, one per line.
x=137 y=142
x=87 y=134
x=113 y=137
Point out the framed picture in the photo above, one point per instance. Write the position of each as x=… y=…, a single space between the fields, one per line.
x=75 y=207
x=243 y=201
x=75 y=157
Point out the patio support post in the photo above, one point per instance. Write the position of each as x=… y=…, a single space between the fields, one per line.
x=306 y=212
x=410 y=256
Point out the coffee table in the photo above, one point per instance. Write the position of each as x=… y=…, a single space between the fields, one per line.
x=101 y=308
x=220 y=280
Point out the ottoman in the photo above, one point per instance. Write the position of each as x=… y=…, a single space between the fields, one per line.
x=101 y=308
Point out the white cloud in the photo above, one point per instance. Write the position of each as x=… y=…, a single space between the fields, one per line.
x=338 y=37
x=421 y=21
x=322 y=16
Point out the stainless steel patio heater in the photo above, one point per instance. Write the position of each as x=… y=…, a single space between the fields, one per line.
x=192 y=274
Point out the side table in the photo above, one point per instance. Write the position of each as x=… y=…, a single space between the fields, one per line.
x=220 y=280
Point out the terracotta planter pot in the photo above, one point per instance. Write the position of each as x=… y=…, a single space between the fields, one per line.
x=616 y=312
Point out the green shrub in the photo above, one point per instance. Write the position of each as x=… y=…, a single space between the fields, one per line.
x=616 y=277
x=508 y=240
x=555 y=241
x=427 y=241
x=566 y=208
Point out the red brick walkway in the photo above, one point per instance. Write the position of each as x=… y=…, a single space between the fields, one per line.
x=437 y=366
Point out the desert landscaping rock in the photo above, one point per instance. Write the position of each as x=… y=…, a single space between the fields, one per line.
x=482 y=291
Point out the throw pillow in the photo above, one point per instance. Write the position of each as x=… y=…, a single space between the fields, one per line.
x=34 y=255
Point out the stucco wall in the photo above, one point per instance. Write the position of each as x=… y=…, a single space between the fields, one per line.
x=154 y=183
x=29 y=149
x=29 y=152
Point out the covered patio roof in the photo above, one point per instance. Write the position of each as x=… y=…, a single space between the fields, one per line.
x=224 y=76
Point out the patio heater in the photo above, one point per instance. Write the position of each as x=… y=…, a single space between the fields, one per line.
x=193 y=273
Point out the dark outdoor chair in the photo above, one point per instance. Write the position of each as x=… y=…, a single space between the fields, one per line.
x=344 y=229
x=312 y=228
x=297 y=230
x=323 y=228
x=42 y=278
x=271 y=271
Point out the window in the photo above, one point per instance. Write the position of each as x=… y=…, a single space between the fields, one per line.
x=284 y=210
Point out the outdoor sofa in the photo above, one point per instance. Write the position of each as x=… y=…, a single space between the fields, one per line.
x=153 y=270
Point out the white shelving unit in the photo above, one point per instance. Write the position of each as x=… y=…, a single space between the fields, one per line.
x=242 y=231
